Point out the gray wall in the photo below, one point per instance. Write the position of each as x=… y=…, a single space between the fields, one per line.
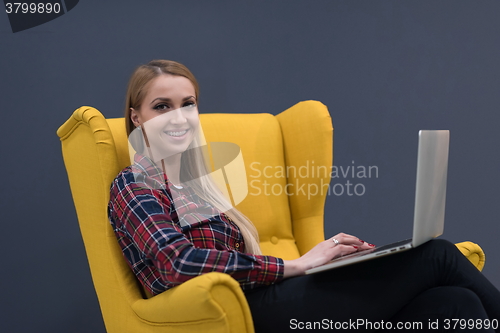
x=384 y=68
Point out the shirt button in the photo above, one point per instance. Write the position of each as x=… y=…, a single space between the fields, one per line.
x=274 y=240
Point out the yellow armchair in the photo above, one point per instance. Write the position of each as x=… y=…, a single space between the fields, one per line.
x=95 y=149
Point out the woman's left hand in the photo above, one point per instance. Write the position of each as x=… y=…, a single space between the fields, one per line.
x=337 y=246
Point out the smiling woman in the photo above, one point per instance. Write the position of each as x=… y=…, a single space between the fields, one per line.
x=162 y=122
x=168 y=118
x=173 y=224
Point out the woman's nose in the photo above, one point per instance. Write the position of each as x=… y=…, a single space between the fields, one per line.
x=178 y=116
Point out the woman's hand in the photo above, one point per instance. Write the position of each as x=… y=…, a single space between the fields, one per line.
x=324 y=252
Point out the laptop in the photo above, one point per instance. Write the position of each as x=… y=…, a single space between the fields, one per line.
x=430 y=197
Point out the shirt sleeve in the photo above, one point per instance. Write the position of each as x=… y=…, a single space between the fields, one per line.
x=146 y=215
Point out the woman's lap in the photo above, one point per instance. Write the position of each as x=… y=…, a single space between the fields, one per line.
x=372 y=291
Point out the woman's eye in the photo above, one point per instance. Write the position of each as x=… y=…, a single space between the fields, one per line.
x=189 y=104
x=161 y=107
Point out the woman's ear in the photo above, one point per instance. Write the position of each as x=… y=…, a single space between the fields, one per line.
x=134 y=116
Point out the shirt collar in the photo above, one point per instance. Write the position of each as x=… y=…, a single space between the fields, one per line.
x=149 y=168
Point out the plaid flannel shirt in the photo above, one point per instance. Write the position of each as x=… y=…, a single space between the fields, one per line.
x=171 y=235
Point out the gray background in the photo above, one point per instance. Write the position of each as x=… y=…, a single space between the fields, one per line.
x=384 y=68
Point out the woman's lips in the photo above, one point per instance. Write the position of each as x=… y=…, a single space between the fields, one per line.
x=177 y=134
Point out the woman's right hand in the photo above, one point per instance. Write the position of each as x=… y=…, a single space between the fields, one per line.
x=324 y=252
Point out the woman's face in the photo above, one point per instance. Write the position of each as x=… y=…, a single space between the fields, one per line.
x=168 y=115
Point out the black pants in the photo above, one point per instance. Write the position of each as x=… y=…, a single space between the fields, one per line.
x=434 y=285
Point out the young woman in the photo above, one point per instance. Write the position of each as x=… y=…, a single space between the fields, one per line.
x=173 y=223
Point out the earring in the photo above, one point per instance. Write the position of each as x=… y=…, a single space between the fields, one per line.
x=139 y=128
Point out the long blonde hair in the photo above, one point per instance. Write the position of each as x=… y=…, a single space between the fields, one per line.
x=194 y=164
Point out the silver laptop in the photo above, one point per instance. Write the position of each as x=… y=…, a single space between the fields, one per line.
x=430 y=197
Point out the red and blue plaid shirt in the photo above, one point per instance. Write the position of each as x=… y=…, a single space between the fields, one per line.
x=168 y=238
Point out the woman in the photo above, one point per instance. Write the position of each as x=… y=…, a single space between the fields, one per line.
x=173 y=223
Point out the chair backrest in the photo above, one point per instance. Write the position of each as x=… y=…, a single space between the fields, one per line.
x=287 y=159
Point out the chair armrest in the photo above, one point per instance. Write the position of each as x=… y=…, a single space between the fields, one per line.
x=473 y=252
x=212 y=297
